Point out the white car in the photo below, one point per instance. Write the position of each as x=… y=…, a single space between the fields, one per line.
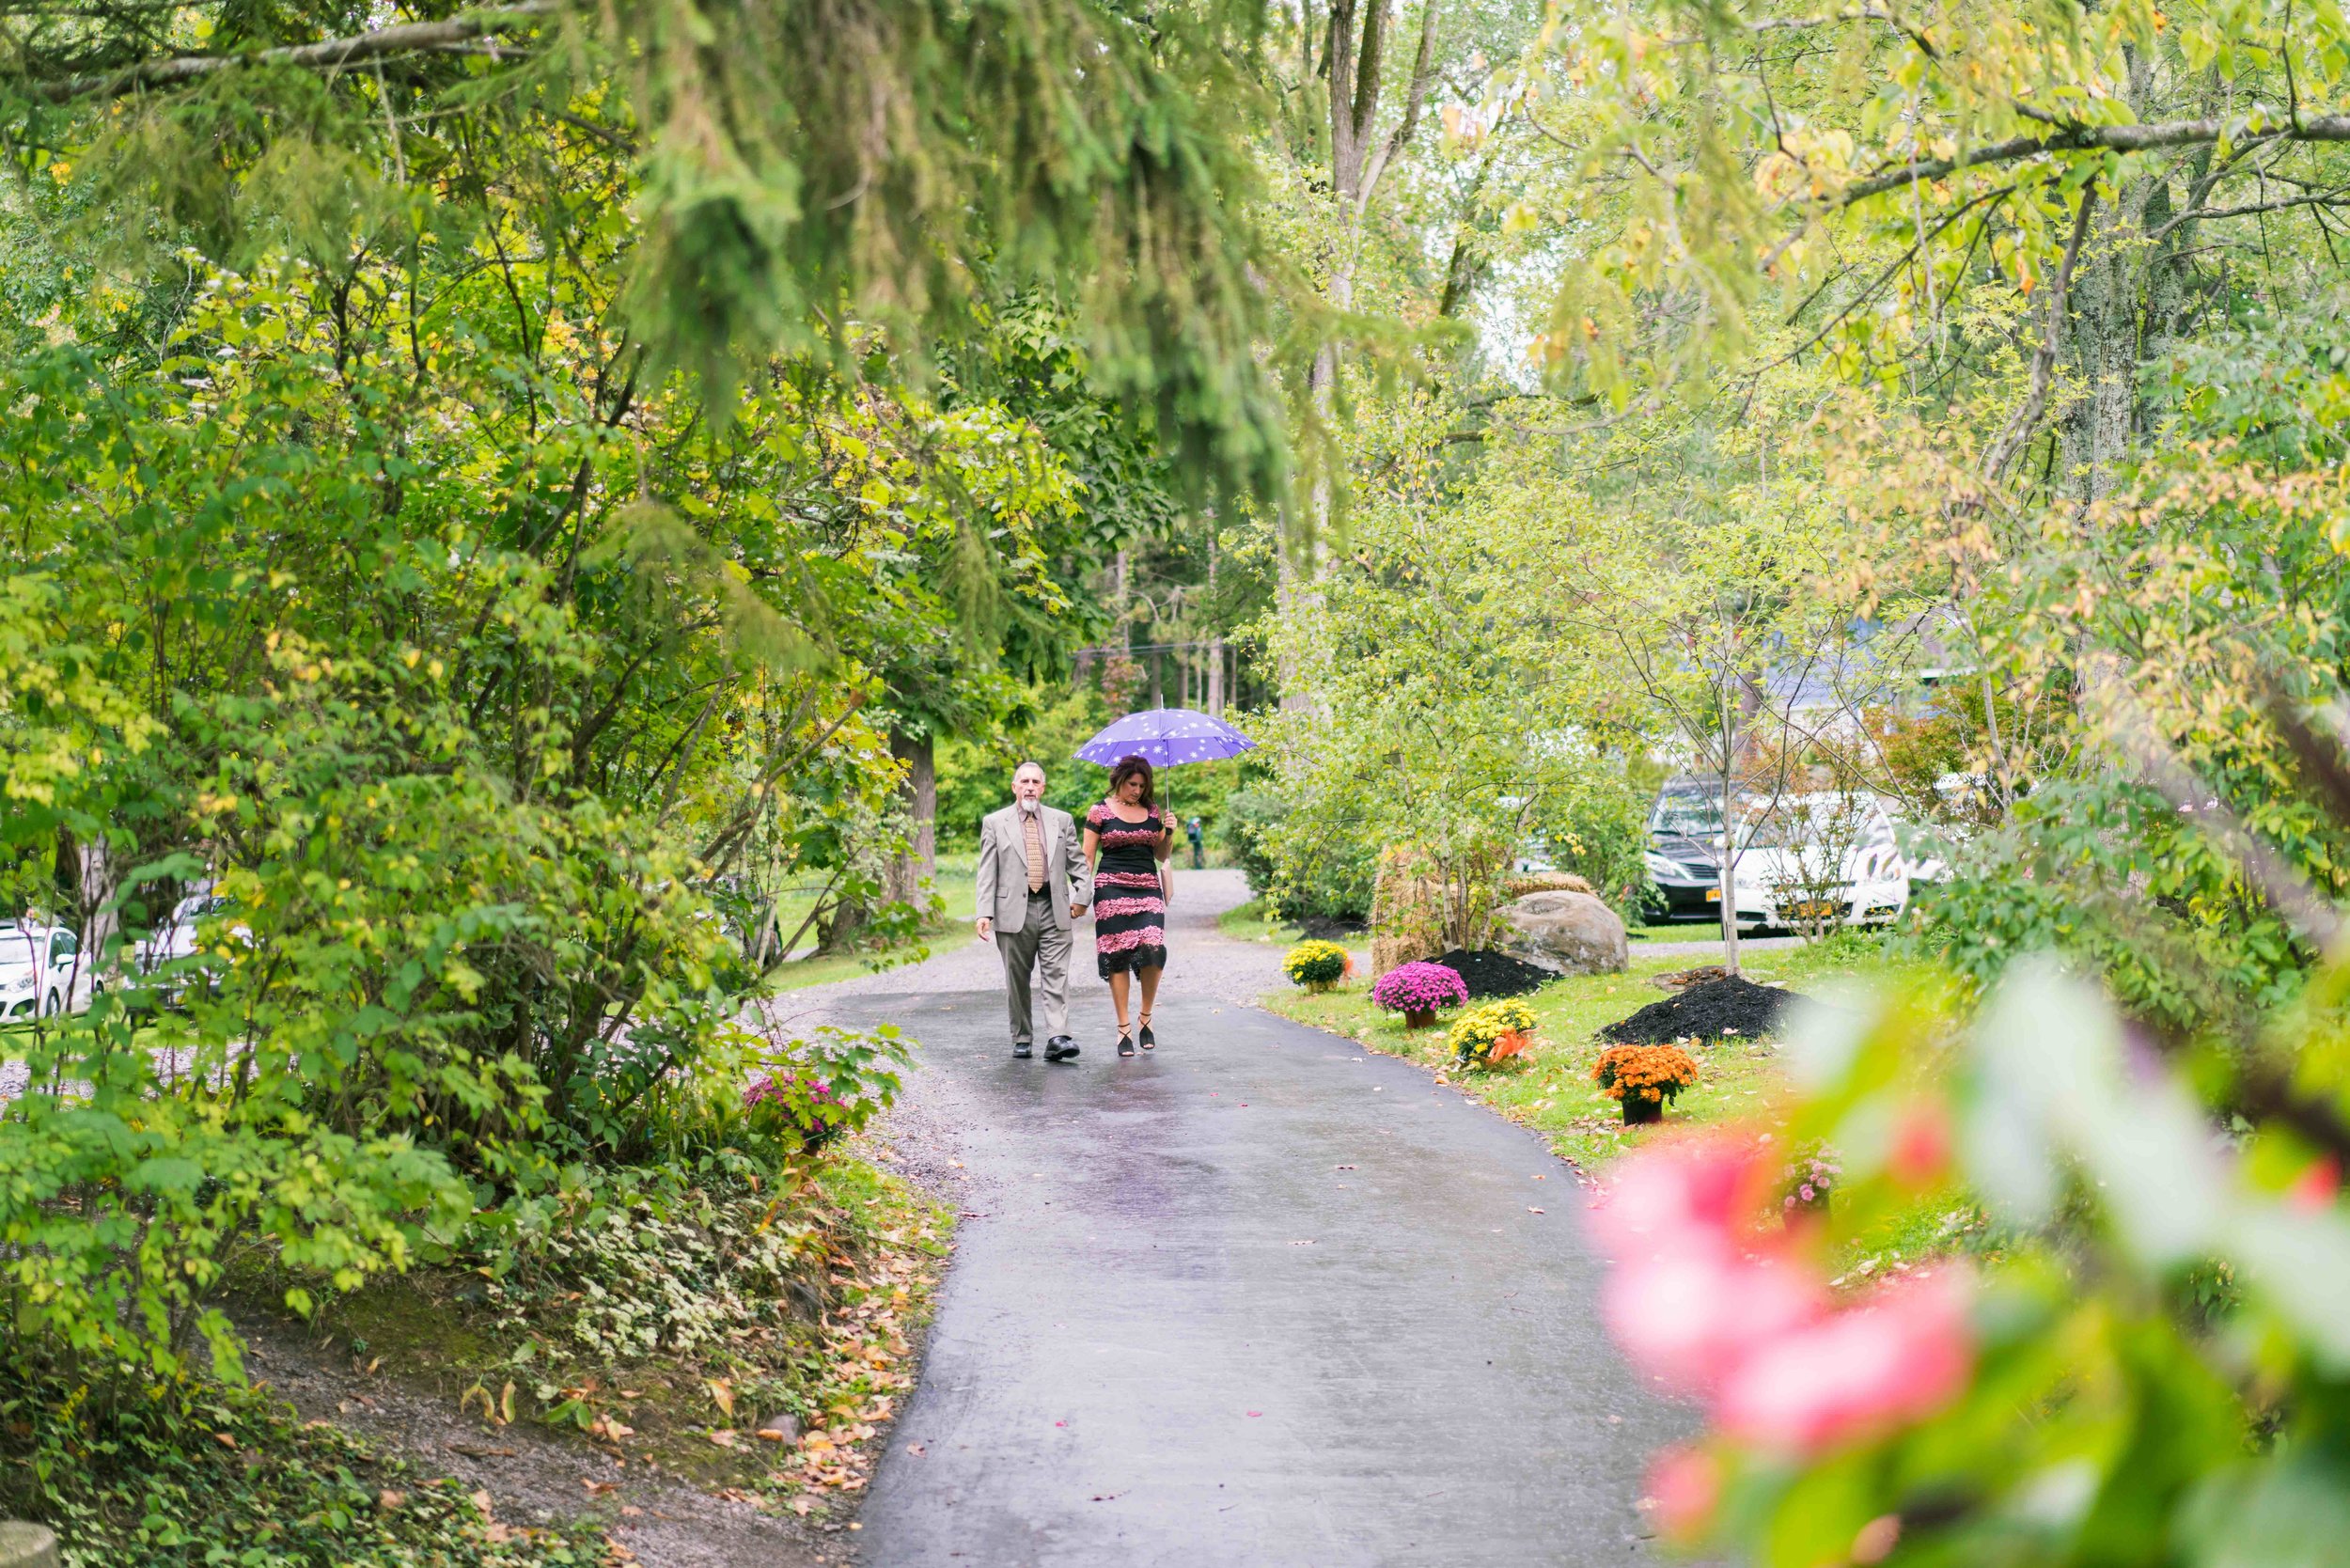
x=41 y=973
x=1819 y=859
x=175 y=939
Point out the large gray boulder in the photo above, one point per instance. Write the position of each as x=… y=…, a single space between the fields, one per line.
x=1566 y=933
x=24 y=1545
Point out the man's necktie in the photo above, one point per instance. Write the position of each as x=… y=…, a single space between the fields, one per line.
x=1034 y=832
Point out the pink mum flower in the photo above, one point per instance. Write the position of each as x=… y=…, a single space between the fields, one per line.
x=1705 y=1302
x=1897 y=1358
x=1684 y=1485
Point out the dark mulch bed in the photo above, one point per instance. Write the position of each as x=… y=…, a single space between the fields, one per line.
x=1322 y=928
x=1708 y=1011
x=1490 y=974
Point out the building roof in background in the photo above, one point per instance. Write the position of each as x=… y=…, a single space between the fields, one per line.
x=1882 y=657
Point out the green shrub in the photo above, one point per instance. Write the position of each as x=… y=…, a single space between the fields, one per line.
x=1600 y=834
x=1302 y=877
x=191 y=1473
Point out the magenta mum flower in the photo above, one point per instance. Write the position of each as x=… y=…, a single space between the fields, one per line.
x=1419 y=987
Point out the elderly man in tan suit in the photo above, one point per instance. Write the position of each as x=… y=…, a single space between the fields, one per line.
x=1032 y=887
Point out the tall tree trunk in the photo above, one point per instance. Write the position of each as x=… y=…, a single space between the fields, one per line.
x=1357 y=62
x=918 y=793
x=1726 y=867
x=2109 y=299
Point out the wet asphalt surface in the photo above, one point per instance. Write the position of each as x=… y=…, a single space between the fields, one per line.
x=1262 y=1298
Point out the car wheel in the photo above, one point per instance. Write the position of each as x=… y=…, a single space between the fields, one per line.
x=55 y=1005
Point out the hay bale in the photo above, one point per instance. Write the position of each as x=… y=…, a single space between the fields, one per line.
x=1545 y=881
x=1406 y=910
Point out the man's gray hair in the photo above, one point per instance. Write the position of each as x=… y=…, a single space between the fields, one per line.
x=1026 y=762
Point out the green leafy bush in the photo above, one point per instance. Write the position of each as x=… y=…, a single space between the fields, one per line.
x=1304 y=877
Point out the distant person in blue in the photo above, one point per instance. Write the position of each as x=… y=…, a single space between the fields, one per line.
x=1199 y=844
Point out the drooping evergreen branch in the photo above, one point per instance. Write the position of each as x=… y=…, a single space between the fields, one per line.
x=413 y=38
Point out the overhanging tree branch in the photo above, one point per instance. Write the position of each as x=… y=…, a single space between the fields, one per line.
x=411 y=37
x=2086 y=139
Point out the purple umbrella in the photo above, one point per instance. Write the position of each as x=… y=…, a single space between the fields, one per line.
x=1163 y=737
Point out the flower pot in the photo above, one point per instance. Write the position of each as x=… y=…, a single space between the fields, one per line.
x=1419 y=1017
x=1510 y=1046
x=1320 y=987
x=1637 y=1110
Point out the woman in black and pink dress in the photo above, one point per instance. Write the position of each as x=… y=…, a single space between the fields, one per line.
x=1132 y=839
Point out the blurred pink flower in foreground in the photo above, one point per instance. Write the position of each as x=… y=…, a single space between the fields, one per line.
x=1710 y=1303
x=1896 y=1357
x=1683 y=1485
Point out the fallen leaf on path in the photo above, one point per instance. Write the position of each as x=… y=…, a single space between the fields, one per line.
x=916 y=1450
x=481 y=1501
x=388 y=1500
x=1531 y=1209
x=630 y=1511
x=721 y=1438
x=598 y=1488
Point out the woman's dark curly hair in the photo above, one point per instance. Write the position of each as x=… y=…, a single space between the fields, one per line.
x=1127 y=767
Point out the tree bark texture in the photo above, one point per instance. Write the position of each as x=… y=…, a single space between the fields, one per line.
x=918 y=793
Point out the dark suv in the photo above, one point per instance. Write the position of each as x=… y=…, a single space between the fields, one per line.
x=1685 y=836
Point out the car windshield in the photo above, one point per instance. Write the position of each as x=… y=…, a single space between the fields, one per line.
x=1794 y=824
x=1679 y=816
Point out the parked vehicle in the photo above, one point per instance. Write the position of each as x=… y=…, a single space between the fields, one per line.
x=161 y=958
x=1684 y=857
x=1819 y=860
x=41 y=972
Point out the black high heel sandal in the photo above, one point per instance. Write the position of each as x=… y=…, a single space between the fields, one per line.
x=1125 y=1042
x=1149 y=1041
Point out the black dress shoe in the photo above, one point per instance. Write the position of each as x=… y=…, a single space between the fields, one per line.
x=1020 y=1049
x=1060 y=1048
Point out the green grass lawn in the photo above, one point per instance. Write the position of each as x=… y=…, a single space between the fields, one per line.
x=1249 y=922
x=953 y=890
x=1553 y=1091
